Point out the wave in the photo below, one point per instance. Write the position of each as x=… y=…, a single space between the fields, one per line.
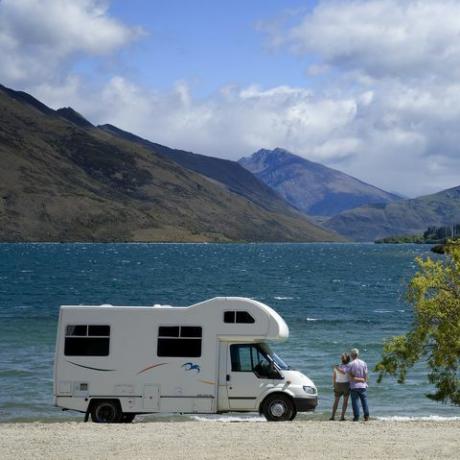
x=16 y=372
x=344 y=321
x=228 y=418
x=424 y=418
x=280 y=297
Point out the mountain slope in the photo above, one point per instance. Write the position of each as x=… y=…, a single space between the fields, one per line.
x=230 y=173
x=371 y=222
x=311 y=187
x=64 y=180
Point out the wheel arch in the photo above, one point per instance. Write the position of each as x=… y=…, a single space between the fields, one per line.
x=275 y=391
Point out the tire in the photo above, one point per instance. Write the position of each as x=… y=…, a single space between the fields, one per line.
x=127 y=418
x=278 y=408
x=106 y=411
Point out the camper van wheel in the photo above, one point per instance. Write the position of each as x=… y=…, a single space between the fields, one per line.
x=106 y=411
x=278 y=408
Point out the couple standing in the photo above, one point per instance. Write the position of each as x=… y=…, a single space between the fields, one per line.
x=351 y=377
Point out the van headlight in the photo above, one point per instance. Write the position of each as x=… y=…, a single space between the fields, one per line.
x=309 y=390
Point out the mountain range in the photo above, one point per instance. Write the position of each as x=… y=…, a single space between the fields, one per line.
x=346 y=205
x=312 y=187
x=63 y=179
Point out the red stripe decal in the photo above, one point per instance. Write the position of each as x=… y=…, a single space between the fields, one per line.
x=151 y=367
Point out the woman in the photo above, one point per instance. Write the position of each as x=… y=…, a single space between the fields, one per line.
x=341 y=383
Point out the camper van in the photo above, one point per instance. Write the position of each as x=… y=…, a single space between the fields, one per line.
x=212 y=357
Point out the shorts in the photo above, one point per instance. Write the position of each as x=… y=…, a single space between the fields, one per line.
x=342 y=389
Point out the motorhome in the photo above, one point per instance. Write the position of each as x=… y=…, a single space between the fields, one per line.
x=114 y=362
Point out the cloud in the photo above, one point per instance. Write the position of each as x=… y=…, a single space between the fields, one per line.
x=381 y=38
x=229 y=123
x=39 y=37
x=399 y=61
x=385 y=105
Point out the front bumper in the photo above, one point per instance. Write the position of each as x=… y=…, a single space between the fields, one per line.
x=305 y=404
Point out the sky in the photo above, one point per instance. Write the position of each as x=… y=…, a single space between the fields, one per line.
x=371 y=87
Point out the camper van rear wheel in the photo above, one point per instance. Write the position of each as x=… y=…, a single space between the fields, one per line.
x=105 y=411
x=278 y=408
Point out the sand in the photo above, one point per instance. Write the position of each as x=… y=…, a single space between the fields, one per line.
x=238 y=440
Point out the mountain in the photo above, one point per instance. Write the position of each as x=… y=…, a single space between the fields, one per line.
x=70 y=114
x=405 y=217
x=230 y=173
x=312 y=187
x=62 y=179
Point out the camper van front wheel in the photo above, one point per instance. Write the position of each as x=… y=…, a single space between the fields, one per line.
x=105 y=411
x=278 y=408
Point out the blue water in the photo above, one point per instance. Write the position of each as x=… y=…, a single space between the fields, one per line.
x=333 y=297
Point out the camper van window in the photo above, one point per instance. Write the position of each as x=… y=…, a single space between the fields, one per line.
x=244 y=317
x=246 y=357
x=102 y=331
x=87 y=340
x=241 y=358
x=179 y=341
x=76 y=330
x=253 y=358
x=238 y=317
x=166 y=331
x=190 y=331
x=274 y=357
x=229 y=316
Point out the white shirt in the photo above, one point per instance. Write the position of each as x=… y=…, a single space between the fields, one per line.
x=341 y=378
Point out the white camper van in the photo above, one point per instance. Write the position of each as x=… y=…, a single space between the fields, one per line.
x=212 y=357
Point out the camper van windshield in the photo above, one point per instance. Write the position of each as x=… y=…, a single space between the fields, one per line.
x=274 y=357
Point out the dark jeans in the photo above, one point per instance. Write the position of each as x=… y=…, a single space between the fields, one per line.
x=356 y=394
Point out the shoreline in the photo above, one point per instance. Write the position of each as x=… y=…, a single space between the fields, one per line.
x=234 y=417
x=237 y=440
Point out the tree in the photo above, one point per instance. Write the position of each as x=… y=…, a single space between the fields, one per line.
x=434 y=293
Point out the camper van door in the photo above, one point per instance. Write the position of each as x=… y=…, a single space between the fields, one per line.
x=249 y=375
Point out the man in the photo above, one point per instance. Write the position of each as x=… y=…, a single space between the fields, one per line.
x=357 y=370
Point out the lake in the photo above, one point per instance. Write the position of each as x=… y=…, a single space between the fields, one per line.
x=332 y=296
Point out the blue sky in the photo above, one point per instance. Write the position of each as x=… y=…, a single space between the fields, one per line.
x=369 y=87
x=210 y=43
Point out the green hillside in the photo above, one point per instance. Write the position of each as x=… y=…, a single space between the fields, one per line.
x=405 y=217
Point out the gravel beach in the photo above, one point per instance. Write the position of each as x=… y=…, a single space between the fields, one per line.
x=238 y=440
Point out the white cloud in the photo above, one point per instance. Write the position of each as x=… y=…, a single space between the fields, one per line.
x=392 y=38
x=38 y=37
x=230 y=123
